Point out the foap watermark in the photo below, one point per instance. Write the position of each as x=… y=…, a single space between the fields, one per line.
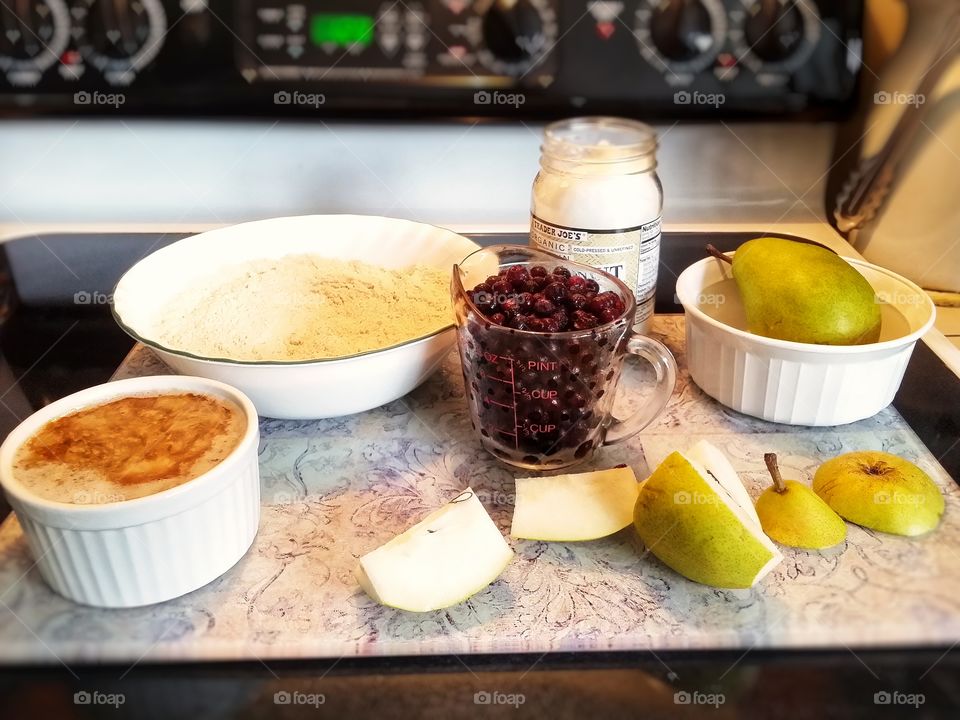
x=484 y=697
x=287 y=497
x=89 y=497
x=299 y=99
x=889 y=497
x=885 y=697
x=901 y=298
x=496 y=497
x=85 y=297
x=682 y=497
x=898 y=98
x=98 y=98
x=686 y=97
x=684 y=697
x=706 y=299
x=299 y=698
x=95 y=697
x=486 y=97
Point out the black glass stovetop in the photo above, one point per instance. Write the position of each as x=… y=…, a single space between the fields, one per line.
x=57 y=336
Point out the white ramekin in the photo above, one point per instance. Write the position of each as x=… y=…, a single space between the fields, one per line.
x=799 y=383
x=153 y=548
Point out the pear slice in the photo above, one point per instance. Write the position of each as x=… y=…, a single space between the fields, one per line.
x=880 y=491
x=572 y=508
x=451 y=554
x=793 y=514
x=716 y=463
x=695 y=525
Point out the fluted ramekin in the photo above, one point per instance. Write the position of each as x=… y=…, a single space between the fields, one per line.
x=799 y=383
x=150 y=549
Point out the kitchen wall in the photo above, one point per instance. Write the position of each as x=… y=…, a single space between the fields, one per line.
x=459 y=172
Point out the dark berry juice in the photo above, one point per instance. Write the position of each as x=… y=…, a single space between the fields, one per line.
x=542 y=342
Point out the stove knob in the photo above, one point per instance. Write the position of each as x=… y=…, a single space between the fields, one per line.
x=681 y=29
x=33 y=34
x=775 y=29
x=119 y=37
x=116 y=29
x=513 y=30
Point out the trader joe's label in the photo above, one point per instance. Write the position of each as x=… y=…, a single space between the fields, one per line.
x=630 y=254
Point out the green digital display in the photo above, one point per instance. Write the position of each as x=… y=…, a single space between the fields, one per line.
x=341 y=29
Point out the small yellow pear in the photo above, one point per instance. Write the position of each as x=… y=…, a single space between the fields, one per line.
x=793 y=514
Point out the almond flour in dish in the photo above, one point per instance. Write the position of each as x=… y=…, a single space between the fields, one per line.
x=305 y=307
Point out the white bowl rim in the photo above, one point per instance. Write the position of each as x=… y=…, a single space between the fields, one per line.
x=103 y=393
x=814 y=348
x=283 y=363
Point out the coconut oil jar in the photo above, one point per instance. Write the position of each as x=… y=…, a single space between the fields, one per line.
x=597 y=200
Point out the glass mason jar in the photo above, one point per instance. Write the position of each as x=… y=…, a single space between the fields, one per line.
x=597 y=200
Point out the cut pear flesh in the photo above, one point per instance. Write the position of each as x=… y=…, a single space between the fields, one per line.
x=570 y=508
x=694 y=524
x=451 y=554
x=715 y=462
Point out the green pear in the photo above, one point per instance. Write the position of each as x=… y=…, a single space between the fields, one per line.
x=804 y=292
x=793 y=514
x=694 y=524
x=880 y=491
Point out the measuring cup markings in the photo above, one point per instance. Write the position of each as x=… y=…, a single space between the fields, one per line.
x=495 y=360
x=506 y=369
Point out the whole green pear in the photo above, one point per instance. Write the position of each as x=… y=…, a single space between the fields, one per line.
x=805 y=293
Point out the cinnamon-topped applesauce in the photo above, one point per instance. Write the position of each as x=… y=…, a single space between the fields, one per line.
x=129 y=448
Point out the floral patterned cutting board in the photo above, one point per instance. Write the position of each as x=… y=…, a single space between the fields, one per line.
x=335 y=489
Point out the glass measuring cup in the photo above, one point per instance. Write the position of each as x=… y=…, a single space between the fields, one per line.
x=544 y=400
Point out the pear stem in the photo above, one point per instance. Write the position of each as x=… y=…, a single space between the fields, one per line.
x=771 y=460
x=717 y=254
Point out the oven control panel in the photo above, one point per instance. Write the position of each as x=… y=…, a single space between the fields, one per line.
x=679 y=58
x=415 y=41
x=389 y=41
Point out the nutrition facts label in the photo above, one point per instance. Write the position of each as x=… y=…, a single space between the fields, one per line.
x=630 y=254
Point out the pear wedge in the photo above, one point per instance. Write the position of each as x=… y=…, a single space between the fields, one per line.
x=451 y=554
x=697 y=526
x=570 y=508
x=880 y=491
x=793 y=514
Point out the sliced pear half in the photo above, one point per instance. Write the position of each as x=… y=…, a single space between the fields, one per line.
x=451 y=554
x=695 y=524
x=570 y=508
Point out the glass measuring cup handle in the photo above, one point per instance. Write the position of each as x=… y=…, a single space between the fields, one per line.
x=661 y=358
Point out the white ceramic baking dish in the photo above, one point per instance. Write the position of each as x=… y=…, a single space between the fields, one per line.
x=799 y=383
x=154 y=548
x=311 y=388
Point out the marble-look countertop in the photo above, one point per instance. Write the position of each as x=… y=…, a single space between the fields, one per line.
x=335 y=489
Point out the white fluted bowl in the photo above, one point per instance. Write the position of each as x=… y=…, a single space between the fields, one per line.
x=153 y=548
x=799 y=383
x=303 y=389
